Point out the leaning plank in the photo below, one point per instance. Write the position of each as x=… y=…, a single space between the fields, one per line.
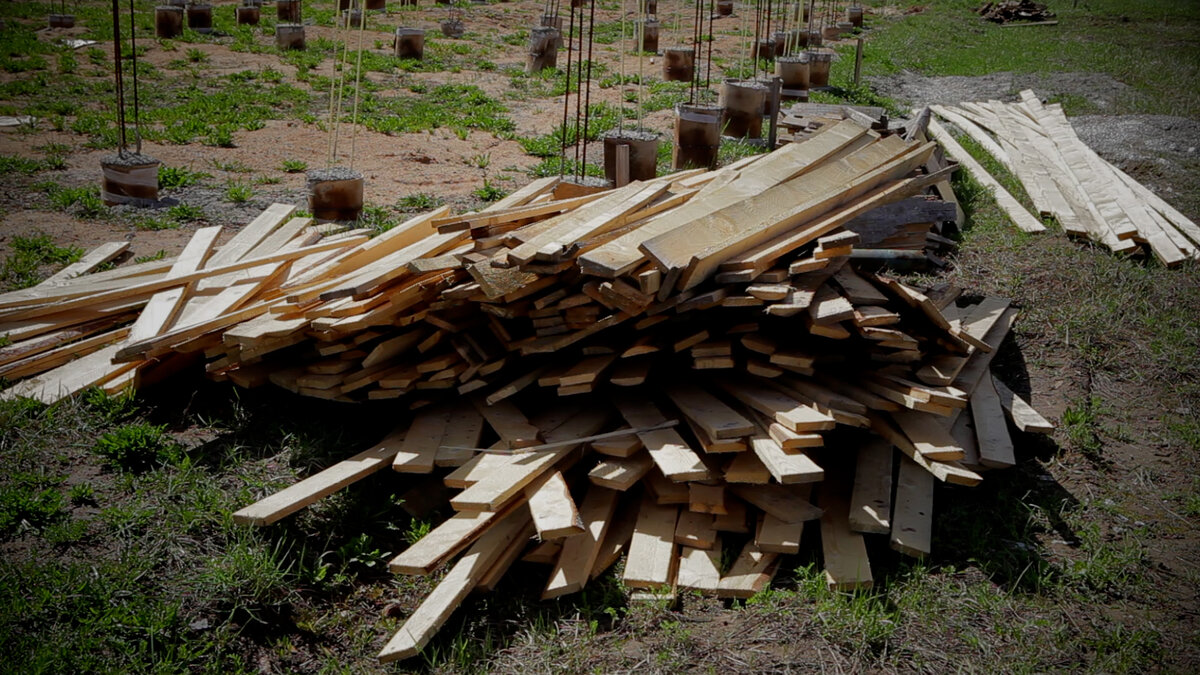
x=995 y=444
x=322 y=484
x=497 y=488
x=621 y=473
x=93 y=259
x=718 y=420
x=699 y=569
x=871 y=499
x=785 y=466
x=437 y=607
x=578 y=556
x=40 y=362
x=164 y=306
x=670 y=452
x=846 y=564
x=1009 y=204
x=445 y=540
x=751 y=572
x=554 y=513
x=779 y=501
x=54 y=385
x=912 y=519
x=251 y=234
x=421 y=442
x=652 y=560
x=1023 y=415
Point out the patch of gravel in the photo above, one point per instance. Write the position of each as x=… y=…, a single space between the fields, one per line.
x=1101 y=90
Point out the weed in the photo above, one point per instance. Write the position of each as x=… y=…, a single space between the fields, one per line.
x=10 y=164
x=293 y=166
x=1079 y=421
x=154 y=223
x=481 y=161
x=186 y=213
x=238 y=192
x=172 y=177
x=196 y=56
x=136 y=447
x=29 y=253
x=231 y=166
x=81 y=494
x=378 y=218
x=419 y=201
x=85 y=201
x=488 y=192
x=29 y=501
x=157 y=255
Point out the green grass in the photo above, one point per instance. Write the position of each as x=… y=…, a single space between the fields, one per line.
x=30 y=255
x=1106 y=36
x=419 y=201
x=460 y=108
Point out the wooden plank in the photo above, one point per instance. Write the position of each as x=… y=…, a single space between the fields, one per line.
x=619 y=446
x=1023 y=415
x=321 y=484
x=510 y=423
x=618 y=536
x=623 y=254
x=696 y=530
x=746 y=467
x=699 y=569
x=717 y=419
x=928 y=435
x=779 y=407
x=251 y=234
x=163 y=307
x=621 y=473
x=52 y=386
x=775 y=535
x=871 y=498
x=779 y=501
x=787 y=467
x=912 y=517
x=844 y=551
x=554 y=513
x=464 y=429
x=670 y=452
x=497 y=488
x=43 y=361
x=704 y=498
x=437 y=607
x=1009 y=204
x=445 y=540
x=751 y=572
x=422 y=440
x=90 y=261
x=701 y=246
x=995 y=444
x=579 y=553
x=651 y=562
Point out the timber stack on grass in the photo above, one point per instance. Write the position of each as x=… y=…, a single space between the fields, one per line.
x=667 y=371
x=1089 y=197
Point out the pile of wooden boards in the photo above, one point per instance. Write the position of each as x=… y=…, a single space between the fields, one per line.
x=1066 y=180
x=1014 y=10
x=664 y=371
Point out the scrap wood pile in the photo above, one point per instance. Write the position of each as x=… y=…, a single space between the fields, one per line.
x=1066 y=180
x=662 y=371
x=1014 y=10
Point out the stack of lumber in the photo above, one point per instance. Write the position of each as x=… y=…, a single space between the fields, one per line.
x=1065 y=179
x=664 y=371
x=64 y=335
x=1014 y=10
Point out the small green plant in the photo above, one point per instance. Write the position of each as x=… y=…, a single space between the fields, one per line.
x=21 y=165
x=186 y=213
x=417 y=529
x=171 y=177
x=232 y=166
x=155 y=223
x=293 y=166
x=488 y=192
x=28 y=503
x=1082 y=428
x=196 y=56
x=238 y=192
x=85 y=200
x=81 y=494
x=419 y=201
x=20 y=269
x=157 y=255
x=136 y=447
x=481 y=161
